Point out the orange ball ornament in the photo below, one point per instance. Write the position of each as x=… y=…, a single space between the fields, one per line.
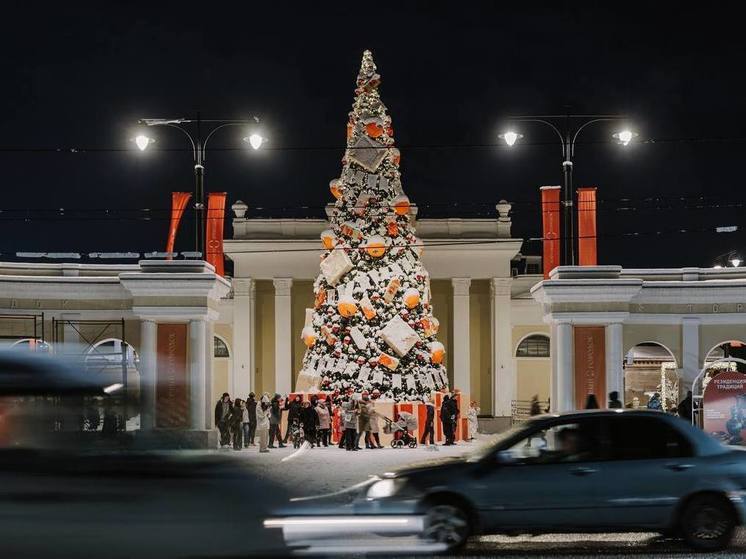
x=401 y=205
x=308 y=336
x=347 y=307
x=374 y=130
x=392 y=229
x=328 y=239
x=376 y=246
x=350 y=129
x=411 y=298
x=336 y=188
x=437 y=353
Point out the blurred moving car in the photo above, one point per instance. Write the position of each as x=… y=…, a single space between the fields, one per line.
x=62 y=495
x=598 y=471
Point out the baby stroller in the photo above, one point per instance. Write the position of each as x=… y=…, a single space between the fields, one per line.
x=401 y=430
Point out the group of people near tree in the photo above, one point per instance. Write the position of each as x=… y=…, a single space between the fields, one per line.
x=353 y=419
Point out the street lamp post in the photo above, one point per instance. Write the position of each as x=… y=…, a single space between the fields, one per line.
x=568 y=128
x=193 y=130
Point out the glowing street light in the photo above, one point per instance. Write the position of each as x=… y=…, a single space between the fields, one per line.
x=510 y=137
x=142 y=141
x=735 y=261
x=624 y=137
x=255 y=140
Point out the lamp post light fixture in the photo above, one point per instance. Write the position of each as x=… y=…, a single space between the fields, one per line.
x=567 y=128
x=735 y=261
x=192 y=128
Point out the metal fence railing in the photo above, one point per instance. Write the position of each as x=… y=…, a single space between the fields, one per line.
x=520 y=410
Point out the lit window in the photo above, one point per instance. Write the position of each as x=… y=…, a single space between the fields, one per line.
x=221 y=350
x=534 y=346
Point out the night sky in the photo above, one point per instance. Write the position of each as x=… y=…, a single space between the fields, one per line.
x=79 y=77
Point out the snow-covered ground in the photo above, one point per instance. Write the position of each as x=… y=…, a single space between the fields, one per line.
x=322 y=470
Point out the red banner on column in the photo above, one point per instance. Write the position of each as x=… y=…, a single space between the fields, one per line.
x=550 y=218
x=179 y=201
x=590 y=364
x=215 y=218
x=171 y=394
x=587 y=226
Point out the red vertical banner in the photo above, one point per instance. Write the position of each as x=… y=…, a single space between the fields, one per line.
x=590 y=364
x=179 y=201
x=587 y=255
x=550 y=219
x=215 y=218
x=171 y=394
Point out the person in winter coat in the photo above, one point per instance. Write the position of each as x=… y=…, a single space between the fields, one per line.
x=263 y=412
x=274 y=422
x=614 y=402
x=236 y=423
x=429 y=423
x=535 y=406
x=324 y=423
x=250 y=425
x=473 y=419
x=684 y=408
x=309 y=419
x=222 y=413
x=337 y=423
x=349 y=422
x=374 y=427
x=591 y=403
x=445 y=419
x=655 y=402
x=293 y=408
x=364 y=427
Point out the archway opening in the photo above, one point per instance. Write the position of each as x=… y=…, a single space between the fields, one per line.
x=114 y=361
x=650 y=377
x=717 y=357
x=533 y=374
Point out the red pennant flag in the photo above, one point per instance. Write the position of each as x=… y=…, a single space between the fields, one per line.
x=550 y=218
x=179 y=201
x=215 y=218
x=587 y=226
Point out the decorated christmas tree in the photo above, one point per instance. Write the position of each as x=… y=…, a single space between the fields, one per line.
x=372 y=325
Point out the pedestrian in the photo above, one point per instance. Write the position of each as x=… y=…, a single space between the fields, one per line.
x=322 y=411
x=275 y=418
x=236 y=423
x=429 y=423
x=309 y=419
x=263 y=412
x=454 y=411
x=364 y=421
x=685 y=407
x=292 y=406
x=349 y=422
x=338 y=423
x=250 y=427
x=222 y=413
x=591 y=403
x=473 y=419
x=445 y=419
x=655 y=402
x=535 y=408
x=614 y=402
x=374 y=427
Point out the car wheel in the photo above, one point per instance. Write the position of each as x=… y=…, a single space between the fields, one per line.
x=448 y=524
x=707 y=523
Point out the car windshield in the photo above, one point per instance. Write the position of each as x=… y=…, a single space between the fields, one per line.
x=489 y=445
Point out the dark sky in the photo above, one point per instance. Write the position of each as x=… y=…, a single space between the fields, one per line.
x=80 y=76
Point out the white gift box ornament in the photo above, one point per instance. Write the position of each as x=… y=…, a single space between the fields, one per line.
x=363 y=373
x=336 y=265
x=396 y=380
x=411 y=383
x=377 y=377
x=399 y=336
x=367 y=153
x=358 y=337
x=396 y=269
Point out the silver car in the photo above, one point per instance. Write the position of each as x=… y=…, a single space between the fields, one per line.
x=600 y=471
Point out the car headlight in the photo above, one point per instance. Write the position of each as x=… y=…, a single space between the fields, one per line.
x=385 y=488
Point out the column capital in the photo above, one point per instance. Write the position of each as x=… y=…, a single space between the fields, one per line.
x=243 y=287
x=461 y=286
x=500 y=286
x=282 y=286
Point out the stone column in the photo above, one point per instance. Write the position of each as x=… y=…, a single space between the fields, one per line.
x=614 y=359
x=241 y=380
x=691 y=364
x=563 y=373
x=210 y=398
x=283 y=326
x=461 y=354
x=197 y=376
x=503 y=371
x=148 y=344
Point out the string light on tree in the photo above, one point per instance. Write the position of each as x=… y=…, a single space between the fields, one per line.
x=372 y=325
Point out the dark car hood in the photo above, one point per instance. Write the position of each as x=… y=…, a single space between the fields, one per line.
x=439 y=465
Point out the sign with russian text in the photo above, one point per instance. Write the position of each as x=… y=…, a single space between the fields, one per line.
x=590 y=364
x=171 y=394
x=724 y=406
